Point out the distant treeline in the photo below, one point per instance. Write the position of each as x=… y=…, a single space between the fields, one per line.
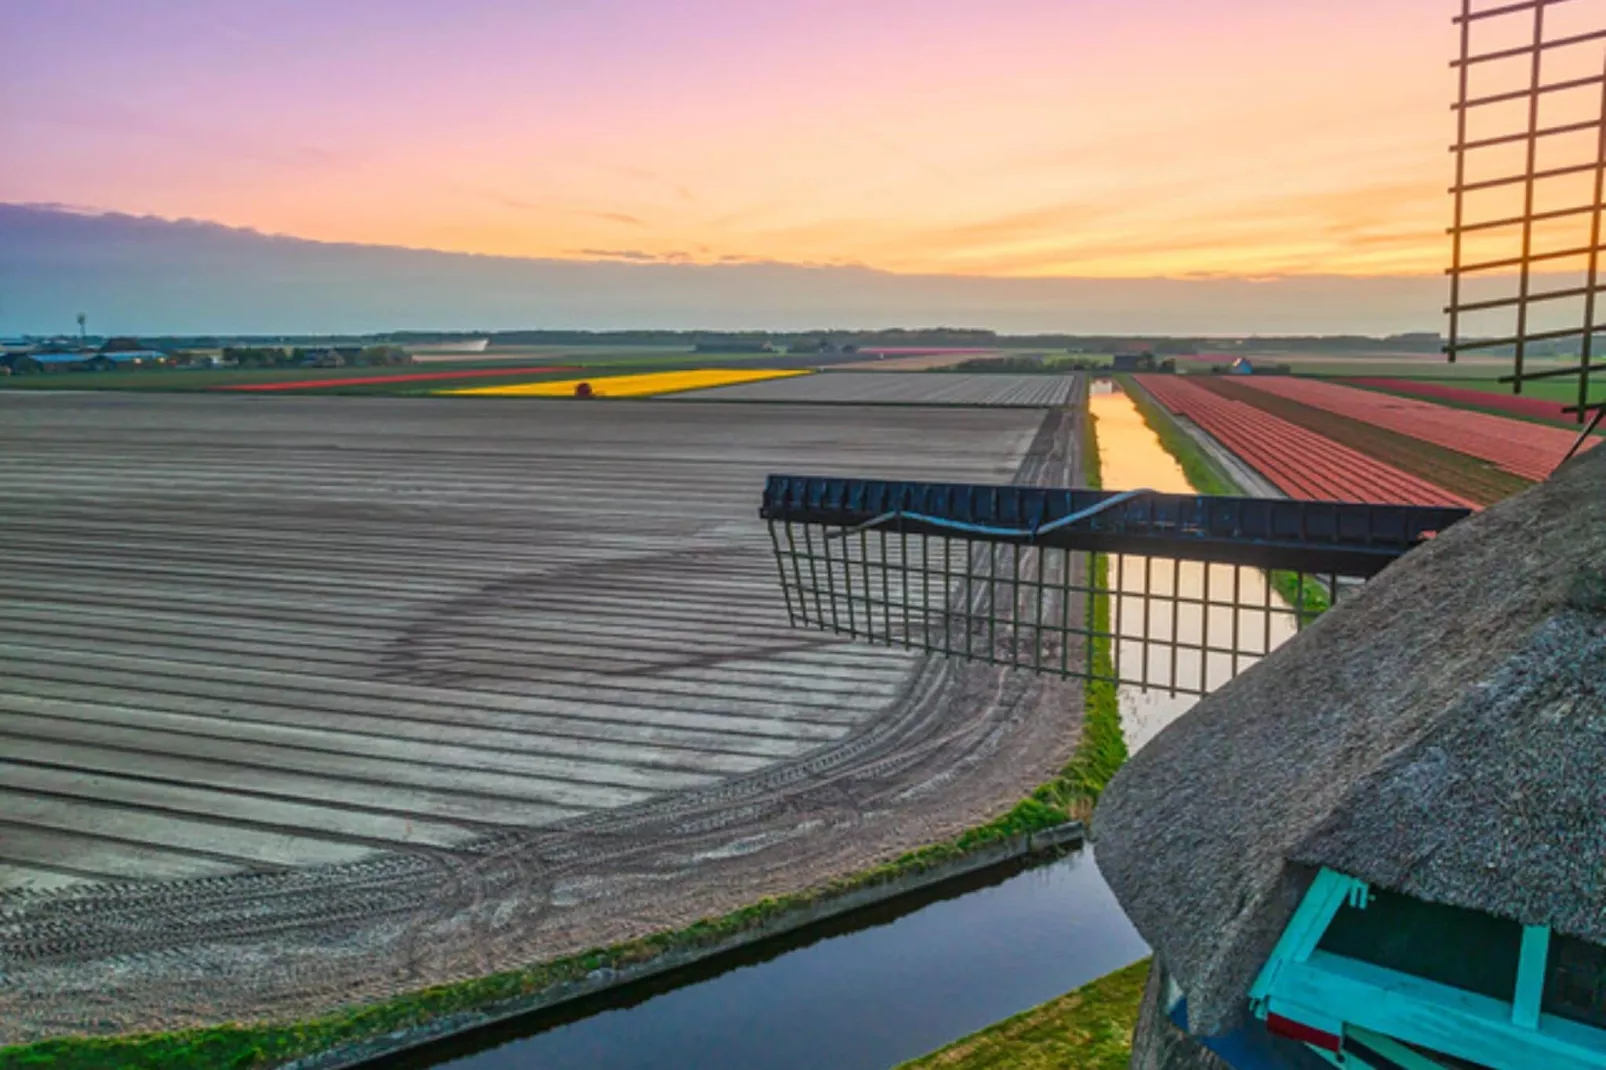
x=1037 y=364
x=326 y=356
x=823 y=338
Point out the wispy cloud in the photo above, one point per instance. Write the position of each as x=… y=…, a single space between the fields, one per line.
x=636 y=255
x=622 y=218
x=69 y=209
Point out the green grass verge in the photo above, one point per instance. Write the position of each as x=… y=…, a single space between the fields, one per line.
x=1069 y=795
x=1102 y=749
x=1207 y=476
x=1088 y=1029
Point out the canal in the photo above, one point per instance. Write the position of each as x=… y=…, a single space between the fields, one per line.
x=894 y=982
x=882 y=986
x=1221 y=600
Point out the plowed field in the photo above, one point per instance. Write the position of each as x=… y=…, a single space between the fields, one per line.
x=307 y=701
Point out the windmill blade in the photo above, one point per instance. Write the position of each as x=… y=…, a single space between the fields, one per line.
x=1530 y=174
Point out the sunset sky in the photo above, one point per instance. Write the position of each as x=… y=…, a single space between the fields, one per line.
x=1093 y=138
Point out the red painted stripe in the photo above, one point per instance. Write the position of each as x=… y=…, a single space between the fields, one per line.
x=1278 y=1026
x=410 y=377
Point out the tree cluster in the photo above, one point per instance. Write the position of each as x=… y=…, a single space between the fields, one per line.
x=304 y=356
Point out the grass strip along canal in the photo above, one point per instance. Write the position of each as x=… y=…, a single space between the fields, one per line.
x=1088 y=1029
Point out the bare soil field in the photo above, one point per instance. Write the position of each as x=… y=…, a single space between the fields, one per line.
x=310 y=701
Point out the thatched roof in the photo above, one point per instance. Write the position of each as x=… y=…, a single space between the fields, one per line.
x=1442 y=733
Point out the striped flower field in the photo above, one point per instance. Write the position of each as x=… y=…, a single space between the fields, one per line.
x=1537 y=408
x=1521 y=448
x=650 y=384
x=1302 y=463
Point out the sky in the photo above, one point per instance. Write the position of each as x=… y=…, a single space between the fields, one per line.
x=1023 y=138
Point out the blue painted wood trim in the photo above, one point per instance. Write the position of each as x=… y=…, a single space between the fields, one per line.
x=1433 y=1016
x=1326 y=894
x=1531 y=976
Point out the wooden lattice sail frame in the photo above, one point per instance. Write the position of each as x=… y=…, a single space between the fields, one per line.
x=1530 y=174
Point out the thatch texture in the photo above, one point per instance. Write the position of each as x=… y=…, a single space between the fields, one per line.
x=1443 y=733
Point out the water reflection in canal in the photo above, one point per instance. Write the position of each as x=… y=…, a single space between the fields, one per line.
x=881 y=989
x=1231 y=618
